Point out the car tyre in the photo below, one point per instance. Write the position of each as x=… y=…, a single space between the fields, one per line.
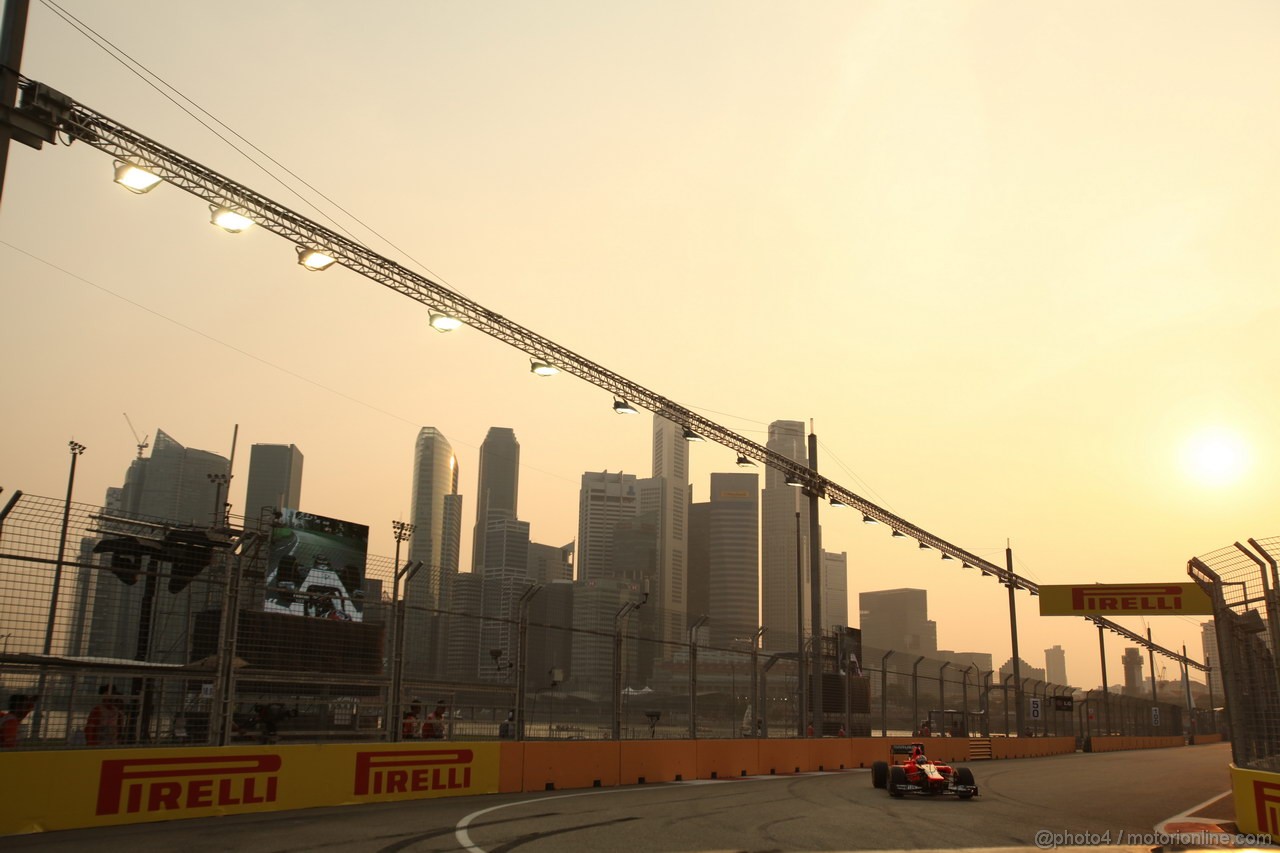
x=897 y=782
x=879 y=774
x=964 y=776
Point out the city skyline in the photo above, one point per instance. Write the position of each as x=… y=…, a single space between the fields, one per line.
x=1028 y=250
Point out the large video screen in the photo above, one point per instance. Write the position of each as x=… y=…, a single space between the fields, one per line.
x=316 y=567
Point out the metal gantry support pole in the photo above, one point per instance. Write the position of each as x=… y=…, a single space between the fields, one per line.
x=884 y=693
x=942 y=689
x=1186 y=685
x=1151 y=662
x=13 y=30
x=693 y=676
x=915 y=694
x=985 y=704
x=815 y=590
x=1106 y=689
x=222 y=718
x=1011 y=582
x=397 y=670
x=802 y=691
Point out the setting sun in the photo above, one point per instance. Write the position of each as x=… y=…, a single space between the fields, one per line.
x=1215 y=457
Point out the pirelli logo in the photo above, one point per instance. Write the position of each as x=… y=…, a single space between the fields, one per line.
x=1266 y=799
x=1124 y=600
x=140 y=785
x=412 y=770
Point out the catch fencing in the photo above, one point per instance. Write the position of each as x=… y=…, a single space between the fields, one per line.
x=1245 y=588
x=136 y=630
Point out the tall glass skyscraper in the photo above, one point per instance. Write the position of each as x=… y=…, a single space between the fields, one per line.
x=779 y=504
x=498 y=486
x=435 y=475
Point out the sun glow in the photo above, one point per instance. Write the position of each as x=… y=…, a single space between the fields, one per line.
x=1215 y=457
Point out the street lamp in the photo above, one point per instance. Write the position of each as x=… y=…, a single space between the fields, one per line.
x=76 y=449
x=693 y=675
x=618 y=619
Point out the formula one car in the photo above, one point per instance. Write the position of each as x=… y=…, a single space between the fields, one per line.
x=910 y=772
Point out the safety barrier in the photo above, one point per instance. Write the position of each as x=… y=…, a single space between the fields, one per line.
x=80 y=788
x=1114 y=743
x=1216 y=737
x=1257 y=800
x=1031 y=747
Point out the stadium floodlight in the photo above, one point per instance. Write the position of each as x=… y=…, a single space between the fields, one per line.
x=228 y=220
x=866 y=519
x=442 y=322
x=134 y=179
x=744 y=462
x=542 y=368
x=313 y=259
x=690 y=435
x=622 y=407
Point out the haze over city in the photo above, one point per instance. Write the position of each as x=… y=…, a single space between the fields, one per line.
x=1016 y=263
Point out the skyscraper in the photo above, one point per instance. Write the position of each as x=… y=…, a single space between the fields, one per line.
x=435 y=475
x=898 y=619
x=275 y=481
x=603 y=500
x=671 y=468
x=733 y=558
x=1055 y=665
x=172 y=485
x=1209 y=638
x=1132 y=662
x=835 y=589
x=548 y=563
x=779 y=573
x=503 y=579
x=498 y=485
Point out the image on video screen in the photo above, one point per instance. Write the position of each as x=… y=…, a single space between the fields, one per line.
x=317 y=567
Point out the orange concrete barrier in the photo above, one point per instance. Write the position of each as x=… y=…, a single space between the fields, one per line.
x=1116 y=743
x=553 y=765
x=645 y=762
x=511 y=767
x=784 y=756
x=726 y=759
x=829 y=753
x=1031 y=747
x=1210 y=738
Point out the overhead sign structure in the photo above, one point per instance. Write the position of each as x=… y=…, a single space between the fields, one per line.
x=1129 y=599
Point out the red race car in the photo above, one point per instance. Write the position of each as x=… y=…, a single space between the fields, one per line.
x=911 y=772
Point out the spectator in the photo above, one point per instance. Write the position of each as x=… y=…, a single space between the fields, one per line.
x=434 y=727
x=507 y=730
x=20 y=705
x=106 y=720
x=410 y=727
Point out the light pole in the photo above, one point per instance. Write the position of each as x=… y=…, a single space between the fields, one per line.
x=884 y=693
x=401 y=530
x=619 y=619
x=76 y=449
x=915 y=694
x=522 y=653
x=1011 y=582
x=219 y=507
x=693 y=676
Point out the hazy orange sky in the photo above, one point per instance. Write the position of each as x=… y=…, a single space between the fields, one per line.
x=1018 y=261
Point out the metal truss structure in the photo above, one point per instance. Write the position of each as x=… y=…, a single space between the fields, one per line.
x=44 y=112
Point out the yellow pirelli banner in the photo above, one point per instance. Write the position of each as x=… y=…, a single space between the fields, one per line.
x=1127 y=599
x=61 y=790
x=1257 y=799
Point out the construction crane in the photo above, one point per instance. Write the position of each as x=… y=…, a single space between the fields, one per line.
x=142 y=442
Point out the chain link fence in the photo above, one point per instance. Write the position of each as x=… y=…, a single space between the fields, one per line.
x=1243 y=584
x=139 y=631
